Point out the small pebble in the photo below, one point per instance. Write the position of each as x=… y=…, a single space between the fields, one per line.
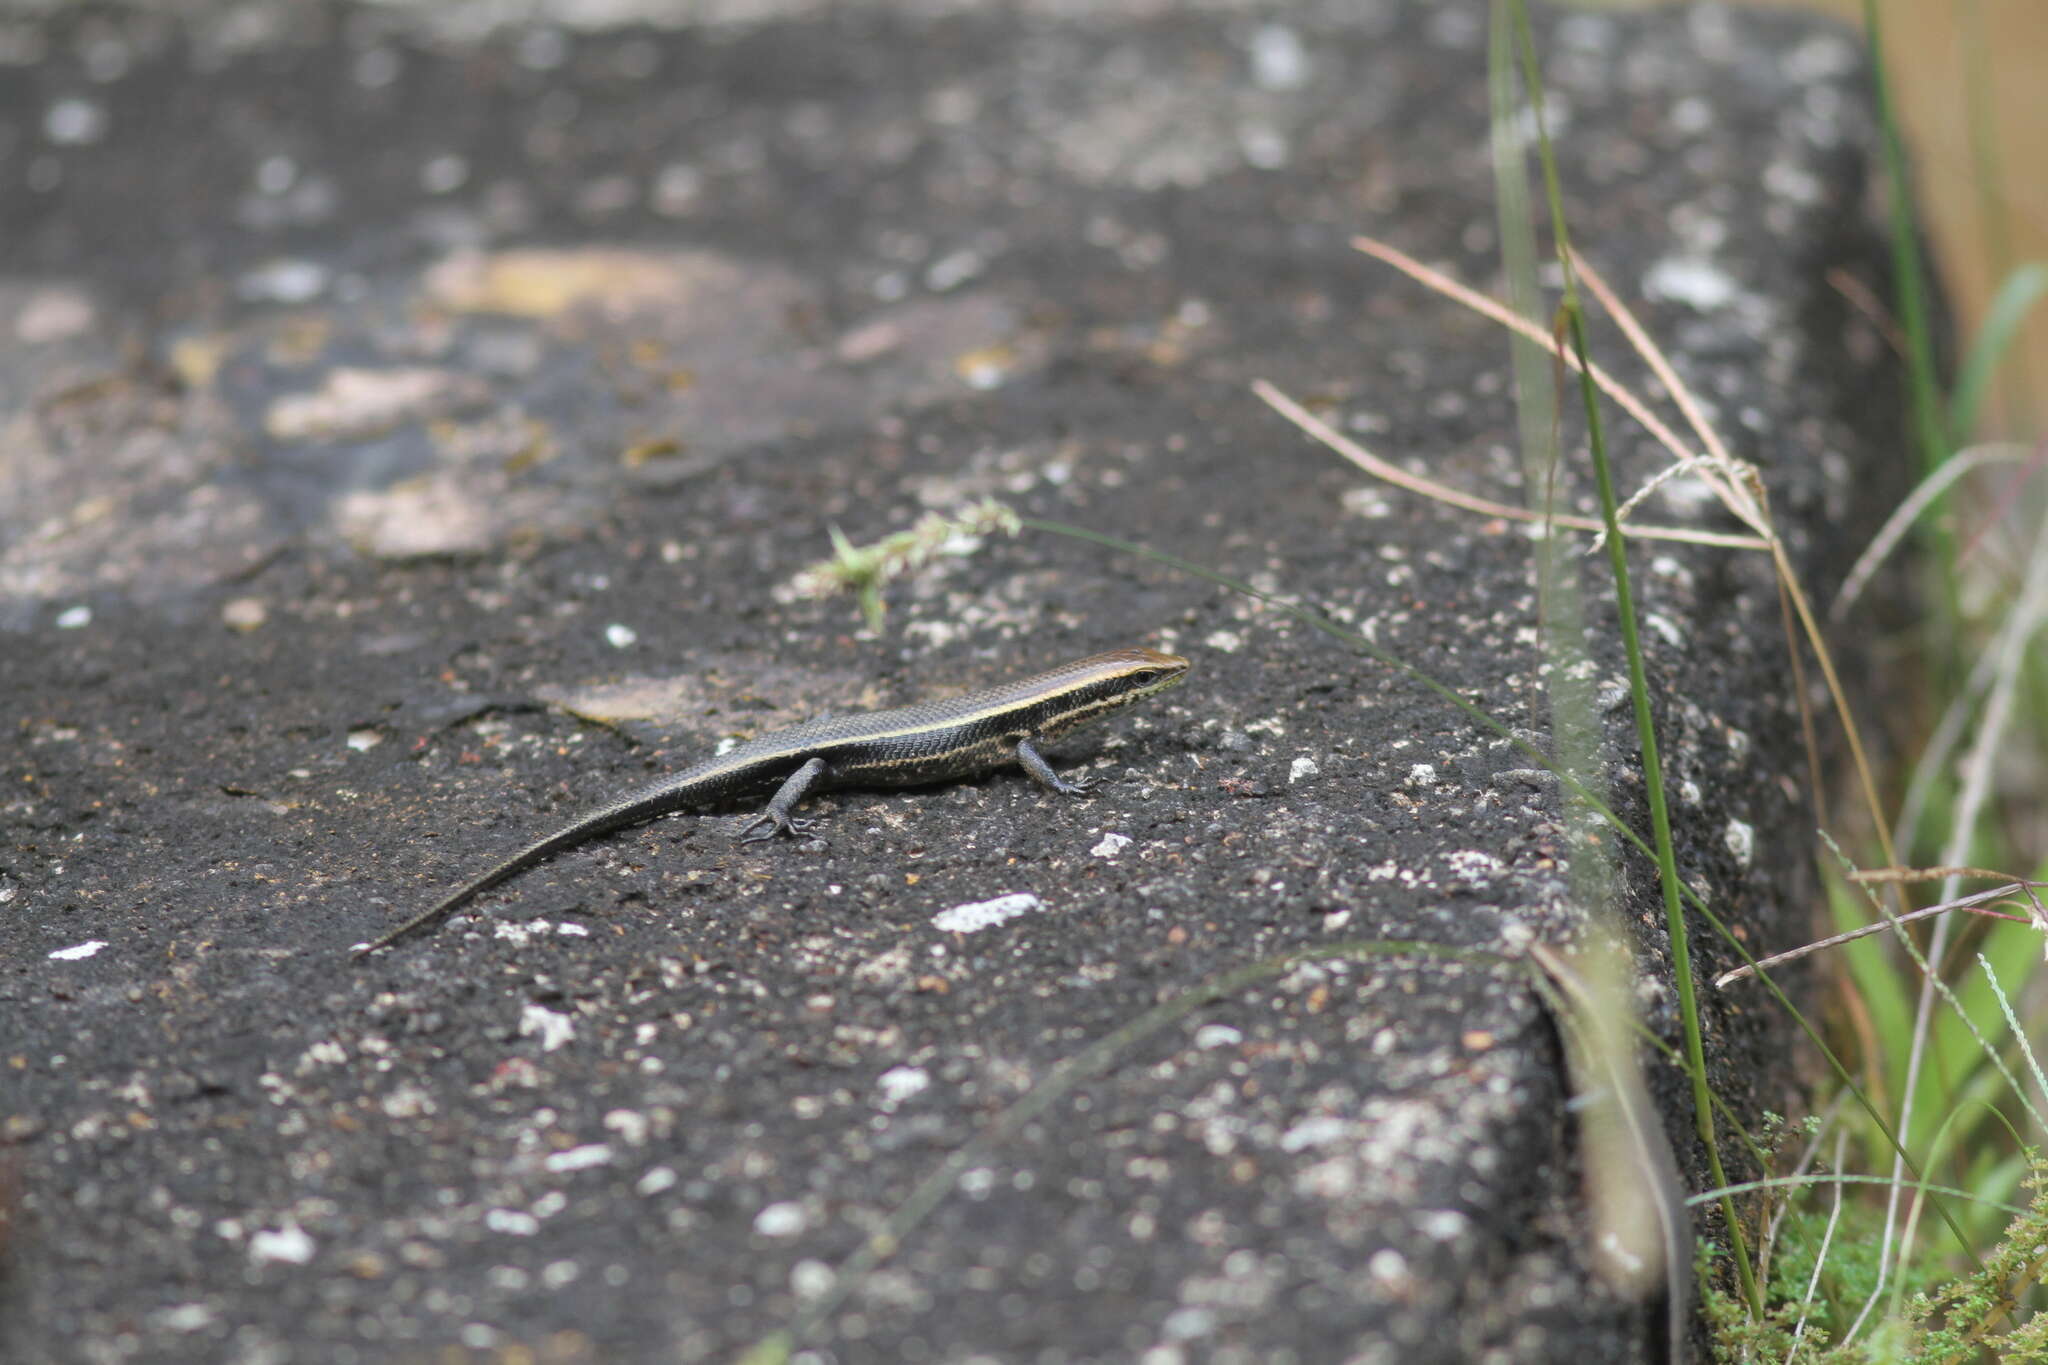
x=245 y=613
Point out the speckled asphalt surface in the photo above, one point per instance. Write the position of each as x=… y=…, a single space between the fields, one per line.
x=372 y=393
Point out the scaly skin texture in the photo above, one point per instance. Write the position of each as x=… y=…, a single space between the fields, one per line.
x=932 y=741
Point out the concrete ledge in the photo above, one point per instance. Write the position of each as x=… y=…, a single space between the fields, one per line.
x=371 y=393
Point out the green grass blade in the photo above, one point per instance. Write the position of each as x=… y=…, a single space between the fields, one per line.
x=2016 y=297
x=1639 y=687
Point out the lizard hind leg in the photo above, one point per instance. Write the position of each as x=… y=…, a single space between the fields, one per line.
x=776 y=819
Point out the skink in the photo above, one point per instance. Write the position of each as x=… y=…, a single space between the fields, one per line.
x=932 y=741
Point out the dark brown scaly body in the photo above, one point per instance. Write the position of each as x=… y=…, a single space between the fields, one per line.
x=930 y=742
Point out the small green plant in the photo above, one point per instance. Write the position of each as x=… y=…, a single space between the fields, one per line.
x=865 y=570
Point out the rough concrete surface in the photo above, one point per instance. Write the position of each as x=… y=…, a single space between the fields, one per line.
x=383 y=390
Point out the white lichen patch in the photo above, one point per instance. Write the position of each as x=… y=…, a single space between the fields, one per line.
x=1666 y=628
x=579 y=1158
x=288 y=1245
x=326 y=1052
x=1697 y=283
x=551 y=1028
x=409 y=1100
x=900 y=1083
x=1741 y=841
x=978 y=915
x=785 y=1219
x=511 y=1222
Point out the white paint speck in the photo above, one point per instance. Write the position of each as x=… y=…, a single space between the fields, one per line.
x=185 y=1317
x=245 y=614
x=900 y=1083
x=74 y=122
x=553 y=1029
x=288 y=1244
x=285 y=280
x=1110 y=845
x=54 y=313
x=1315 y=1131
x=326 y=1052
x=1792 y=183
x=1369 y=503
x=657 y=1179
x=1279 y=60
x=572 y=931
x=408 y=1101
x=83 y=950
x=983 y=371
x=785 y=1219
x=1211 y=1036
x=1665 y=627
x=620 y=636
x=630 y=1124
x=579 y=1158
x=1696 y=283
x=74 y=618
x=1741 y=841
x=966 y=919
x=1441 y=1225
x=811 y=1279
x=1387 y=1265
x=512 y=1222
x=953 y=270
x=1820 y=58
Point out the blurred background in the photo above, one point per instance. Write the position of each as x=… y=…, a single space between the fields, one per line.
x=1970 y=78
